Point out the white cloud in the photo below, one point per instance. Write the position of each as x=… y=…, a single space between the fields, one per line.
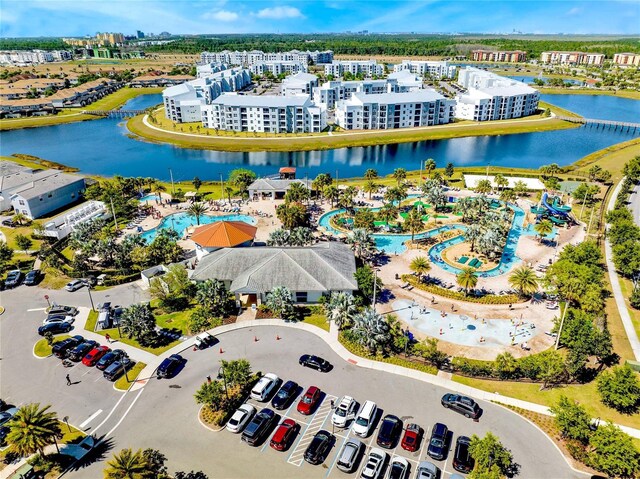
x=280 y=12
x=221 y=15
x=574 y=11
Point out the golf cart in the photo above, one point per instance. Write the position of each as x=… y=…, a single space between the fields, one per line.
x=204 y=340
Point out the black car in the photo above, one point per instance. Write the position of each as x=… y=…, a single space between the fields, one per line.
x=438 y=443
x=258 y=427
x=33 y=277
x=81 y=350
x=315 y=362
x=13 y=279
x=319 y=447
x=462 y=460
x=462 y=404
x=8 y=222
x=285 y=395
x=169 y=367
x=390 y=431
x=61 y=349
x=109 y=358
x=118 y=368
x=55 y=328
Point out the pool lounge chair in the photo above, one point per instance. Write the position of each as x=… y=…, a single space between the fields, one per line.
x=463 y=259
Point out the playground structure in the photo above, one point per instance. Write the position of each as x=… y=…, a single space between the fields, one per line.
x=555 y=212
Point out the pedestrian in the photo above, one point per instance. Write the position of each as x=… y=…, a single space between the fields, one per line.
x=108 y=338
x=452 y=308
x=209 y=379
x=332 y=404
x=68 y=380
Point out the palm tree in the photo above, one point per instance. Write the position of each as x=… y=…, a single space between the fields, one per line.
x=20 y=218
x=127 y=465
x=370 y=174
x=371 y=330
x=466 y=207
x=362 y=243
x=524 y=280
x=279 y=237
x=400 y=174
x=420 y=265
x=500 y=181
x=347 y=197
x=213 y=295
x=340 y=308
x=280 y=302
x=429 y=166
x=297 y=192
x=301 y=236
x=413 y=223
x=197 y=210
x=472 y=235
x=159 y=188
x=331 y=193
x=483 y=187
x=228 y=191
x=395 y=195
x=467 y=279
x=508 y=196
x=32 y=429
x=543 y=228
x=370 y=187
x=388 y=213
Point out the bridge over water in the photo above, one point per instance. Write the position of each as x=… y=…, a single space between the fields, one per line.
x=113 y=113
x=622 y=125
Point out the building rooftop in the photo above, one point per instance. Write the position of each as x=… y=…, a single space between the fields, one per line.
x=418 y=96
x=232 y=99
x=267 y=184
x=45 y=181
x=301 y=77
x=323 y=267
x=224 y=234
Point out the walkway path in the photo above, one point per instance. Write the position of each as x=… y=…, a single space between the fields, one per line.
x=331 y=338
x=615 y=285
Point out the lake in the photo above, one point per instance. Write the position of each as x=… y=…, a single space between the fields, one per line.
x=103 y=147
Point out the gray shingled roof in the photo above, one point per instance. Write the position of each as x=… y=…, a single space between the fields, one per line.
x=323 y=267
x=266 y=184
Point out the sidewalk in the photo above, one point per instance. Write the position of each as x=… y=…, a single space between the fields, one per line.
x=615 y=284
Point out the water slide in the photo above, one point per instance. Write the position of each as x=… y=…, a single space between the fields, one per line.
x=553 y=210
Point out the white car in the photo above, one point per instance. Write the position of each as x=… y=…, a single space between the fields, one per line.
x=398 y=468
x=373 y=468
x=74 y=285
x=345 y=411
x=58 y=318
x=264 y=387
x=240 y=418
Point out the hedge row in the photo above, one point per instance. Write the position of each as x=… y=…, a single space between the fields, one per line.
x=460 y=296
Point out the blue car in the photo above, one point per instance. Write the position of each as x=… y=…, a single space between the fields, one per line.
x=285 y=395
x=169 y=367
x=55 y=328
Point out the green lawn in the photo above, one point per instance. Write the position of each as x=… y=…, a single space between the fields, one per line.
x=627 y=288
x=178 y=320
x=585 y=394
x=70 y=435
x=317 y=319
x=42 y=348
x=633 y=94
x=122 y=383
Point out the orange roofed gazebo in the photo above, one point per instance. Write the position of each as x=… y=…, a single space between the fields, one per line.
x=222 y=234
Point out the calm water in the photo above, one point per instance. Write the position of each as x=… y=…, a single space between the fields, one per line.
x=103 y=147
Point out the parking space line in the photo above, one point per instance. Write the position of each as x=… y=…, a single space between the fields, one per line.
x=90 y=418
x=322 y=412
x=337 y=455
x=88 y=371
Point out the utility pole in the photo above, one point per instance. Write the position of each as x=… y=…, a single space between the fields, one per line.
x=173 y=187
x=113 y=212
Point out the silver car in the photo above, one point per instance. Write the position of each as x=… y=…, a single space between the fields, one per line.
x=375 y=462
x=58 y=318
x=240 y=418
x=350 y=455
x=74 y=285
x=427 y=470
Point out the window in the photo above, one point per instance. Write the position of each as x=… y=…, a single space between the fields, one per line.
x=301 y=296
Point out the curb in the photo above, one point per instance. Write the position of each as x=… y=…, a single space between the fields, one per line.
x=33 y=351
x=204 y=425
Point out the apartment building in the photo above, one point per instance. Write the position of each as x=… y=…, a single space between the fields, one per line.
x=572 y=58
x=267 y=113
x=245 y=58
x=627 y=59
x=84 y=94
x=513 y=56
x=433 y=69
x=158 y=80
x=277 y=67
x=15 y=108
x=209 y=69
x=384 y=111
x=368 y=68
x=33 y=57
x=299 y=84
x=183 y=103
x=492 y=97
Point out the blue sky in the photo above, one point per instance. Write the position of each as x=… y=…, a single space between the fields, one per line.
x=80 y=17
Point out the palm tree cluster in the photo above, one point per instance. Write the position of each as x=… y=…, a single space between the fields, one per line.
x=489 y=228
x=340 y=308
x=31 y=429
x=524 y=279
x=362 y=243
x=280 y=302
x=300 y=236
x=371 y=330
x=434 y=194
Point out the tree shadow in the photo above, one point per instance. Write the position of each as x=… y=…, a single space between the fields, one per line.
x=98 y=453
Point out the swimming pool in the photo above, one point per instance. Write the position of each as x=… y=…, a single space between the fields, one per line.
x=461 y=329
x=150 y=197
x=179 y=222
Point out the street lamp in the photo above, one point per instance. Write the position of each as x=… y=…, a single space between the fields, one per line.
x=66 y=420
x=224 y=380
x=90 y=297
x=124 y=369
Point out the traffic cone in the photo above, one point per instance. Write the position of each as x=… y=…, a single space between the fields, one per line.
x=221 y=351
x=441 y=331
x=277 y=338
x=195 y=348
x=255 y=339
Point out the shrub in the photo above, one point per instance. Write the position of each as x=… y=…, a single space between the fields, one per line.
x=460 y=296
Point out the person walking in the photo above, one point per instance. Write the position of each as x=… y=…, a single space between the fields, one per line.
x=68 y=380
x=108 y=338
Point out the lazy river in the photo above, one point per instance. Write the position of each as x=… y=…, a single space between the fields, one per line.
x=104 y=147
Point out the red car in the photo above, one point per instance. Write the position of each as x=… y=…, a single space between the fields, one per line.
x=94 y=355
x=284 y=435
x=308 y=402
x=412 y=437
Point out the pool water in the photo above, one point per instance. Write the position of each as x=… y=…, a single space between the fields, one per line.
x=179 y=222
x=152 y=197
x=461 y=329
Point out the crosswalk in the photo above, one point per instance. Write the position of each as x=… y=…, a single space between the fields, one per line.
x=316 y=423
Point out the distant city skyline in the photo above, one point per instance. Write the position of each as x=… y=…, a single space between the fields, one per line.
x=33 y=18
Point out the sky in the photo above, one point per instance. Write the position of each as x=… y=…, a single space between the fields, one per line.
x=31 y=18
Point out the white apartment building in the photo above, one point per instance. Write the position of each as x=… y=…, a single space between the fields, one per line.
x=22 y=58
x=183 y=103
x=572 y=58
x=209 y=69
x=627 y=59
x=433 y=69
x=492 y=97
x=385 y=111
x=267 y=113
x=299 y=84
x=329 y=93
x=277 y=67
x=367 y=67
x=245 y=58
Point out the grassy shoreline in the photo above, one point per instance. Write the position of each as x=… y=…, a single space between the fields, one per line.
x=72 y=115
x=631 y=94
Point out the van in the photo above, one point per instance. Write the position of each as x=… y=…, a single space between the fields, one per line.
x=349 y=455
x=365 y=418
x=264 y=387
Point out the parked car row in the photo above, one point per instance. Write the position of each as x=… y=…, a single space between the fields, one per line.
x=15 y=278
